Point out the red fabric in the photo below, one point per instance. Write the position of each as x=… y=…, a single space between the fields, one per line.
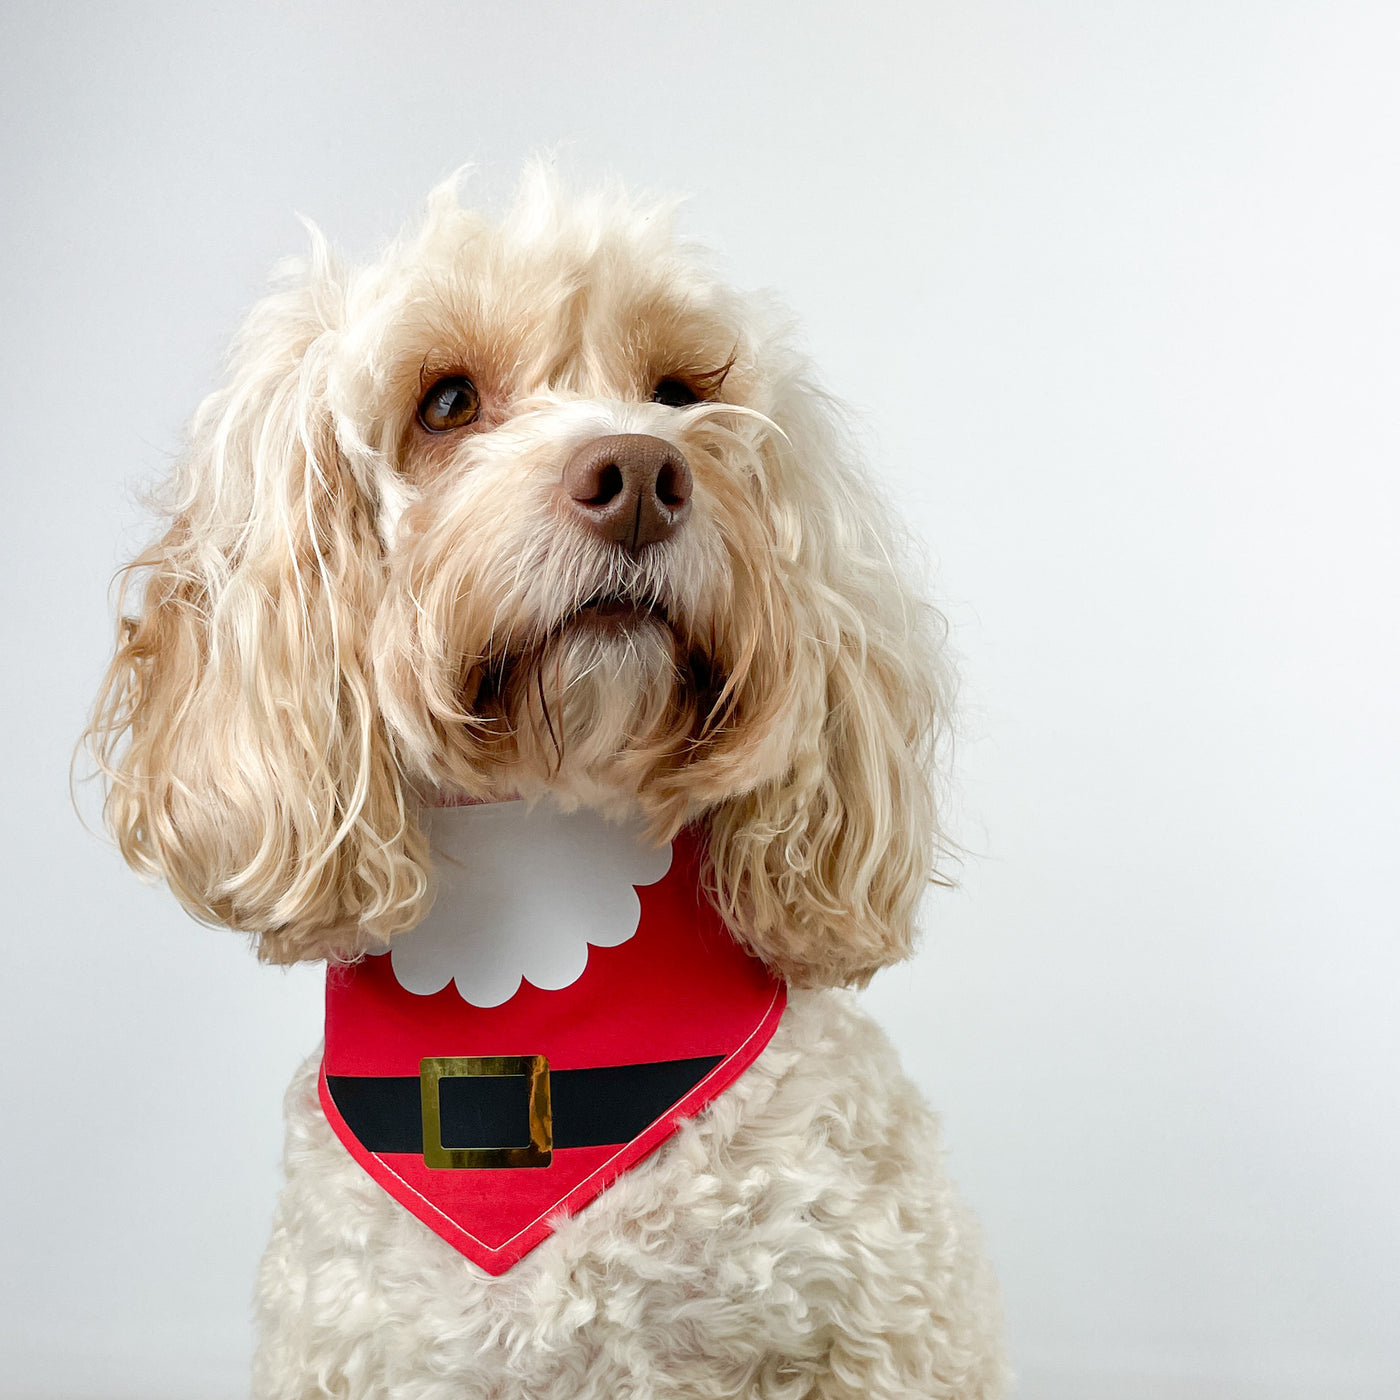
x=679 y=988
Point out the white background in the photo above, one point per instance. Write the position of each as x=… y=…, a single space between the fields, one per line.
x=1115 y=288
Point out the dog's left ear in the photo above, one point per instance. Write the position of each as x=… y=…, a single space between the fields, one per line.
x=821 y=869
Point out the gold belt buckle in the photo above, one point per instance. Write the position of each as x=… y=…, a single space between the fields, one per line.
x=432 y=1070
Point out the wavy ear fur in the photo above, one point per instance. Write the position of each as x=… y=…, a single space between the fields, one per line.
x=821 y=870
x=236 y=728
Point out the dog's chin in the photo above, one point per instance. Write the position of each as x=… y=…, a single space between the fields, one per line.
x=615 y=642
x=609 y=660
x=603 y=696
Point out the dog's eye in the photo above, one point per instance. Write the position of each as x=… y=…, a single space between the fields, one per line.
x=674 y=393
x=451 y=403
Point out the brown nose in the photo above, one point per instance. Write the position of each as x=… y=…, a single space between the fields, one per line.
x=630 y=488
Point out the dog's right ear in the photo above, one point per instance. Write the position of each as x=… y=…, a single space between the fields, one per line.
x=237 y=729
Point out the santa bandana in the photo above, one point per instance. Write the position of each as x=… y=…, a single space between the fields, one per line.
x=570 y=1000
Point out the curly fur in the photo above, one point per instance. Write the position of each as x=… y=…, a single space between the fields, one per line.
x=348 y=616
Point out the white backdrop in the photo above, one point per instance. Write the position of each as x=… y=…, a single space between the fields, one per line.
x=1115 y=288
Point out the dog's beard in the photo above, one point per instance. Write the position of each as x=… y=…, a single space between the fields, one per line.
x=600 y=700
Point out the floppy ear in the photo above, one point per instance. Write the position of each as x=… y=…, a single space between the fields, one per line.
x=237 y=729
x=821 y=869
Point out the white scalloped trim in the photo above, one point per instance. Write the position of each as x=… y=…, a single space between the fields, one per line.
x=523 y=892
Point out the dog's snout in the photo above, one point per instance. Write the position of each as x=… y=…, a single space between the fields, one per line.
x=629 y=488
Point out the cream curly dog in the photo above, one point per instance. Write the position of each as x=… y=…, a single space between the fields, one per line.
x=535 y=507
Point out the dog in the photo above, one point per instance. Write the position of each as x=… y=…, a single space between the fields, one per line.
x=532 y=537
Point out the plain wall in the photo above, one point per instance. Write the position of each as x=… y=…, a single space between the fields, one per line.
x=1114 y=287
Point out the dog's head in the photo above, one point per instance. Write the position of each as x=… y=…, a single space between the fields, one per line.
x=530 y=504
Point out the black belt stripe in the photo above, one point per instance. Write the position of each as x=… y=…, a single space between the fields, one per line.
x=589 y=1107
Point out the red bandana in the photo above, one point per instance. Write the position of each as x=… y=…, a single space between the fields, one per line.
x=493 y=1123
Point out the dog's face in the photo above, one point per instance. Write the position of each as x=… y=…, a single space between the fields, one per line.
x=570 y=445
x=529 y=505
